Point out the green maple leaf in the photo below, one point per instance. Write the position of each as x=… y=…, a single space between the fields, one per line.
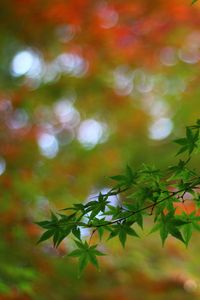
x=86 y=254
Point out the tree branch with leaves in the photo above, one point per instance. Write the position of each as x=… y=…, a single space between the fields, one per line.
x=147 y=192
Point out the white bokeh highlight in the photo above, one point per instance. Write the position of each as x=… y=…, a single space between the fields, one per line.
x=66 y=112
x=160 y=129
x=72 y=64
x=91 y=132
x=48 y=145
x=26 y=62
x=123 y=81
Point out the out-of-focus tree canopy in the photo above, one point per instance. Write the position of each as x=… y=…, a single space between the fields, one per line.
x=86 y=87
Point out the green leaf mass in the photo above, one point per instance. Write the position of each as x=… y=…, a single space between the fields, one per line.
x=143 y=193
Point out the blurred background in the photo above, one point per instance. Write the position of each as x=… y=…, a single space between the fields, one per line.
x=87 y=87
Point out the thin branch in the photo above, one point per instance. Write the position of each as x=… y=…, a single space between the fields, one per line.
x=144 y=208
